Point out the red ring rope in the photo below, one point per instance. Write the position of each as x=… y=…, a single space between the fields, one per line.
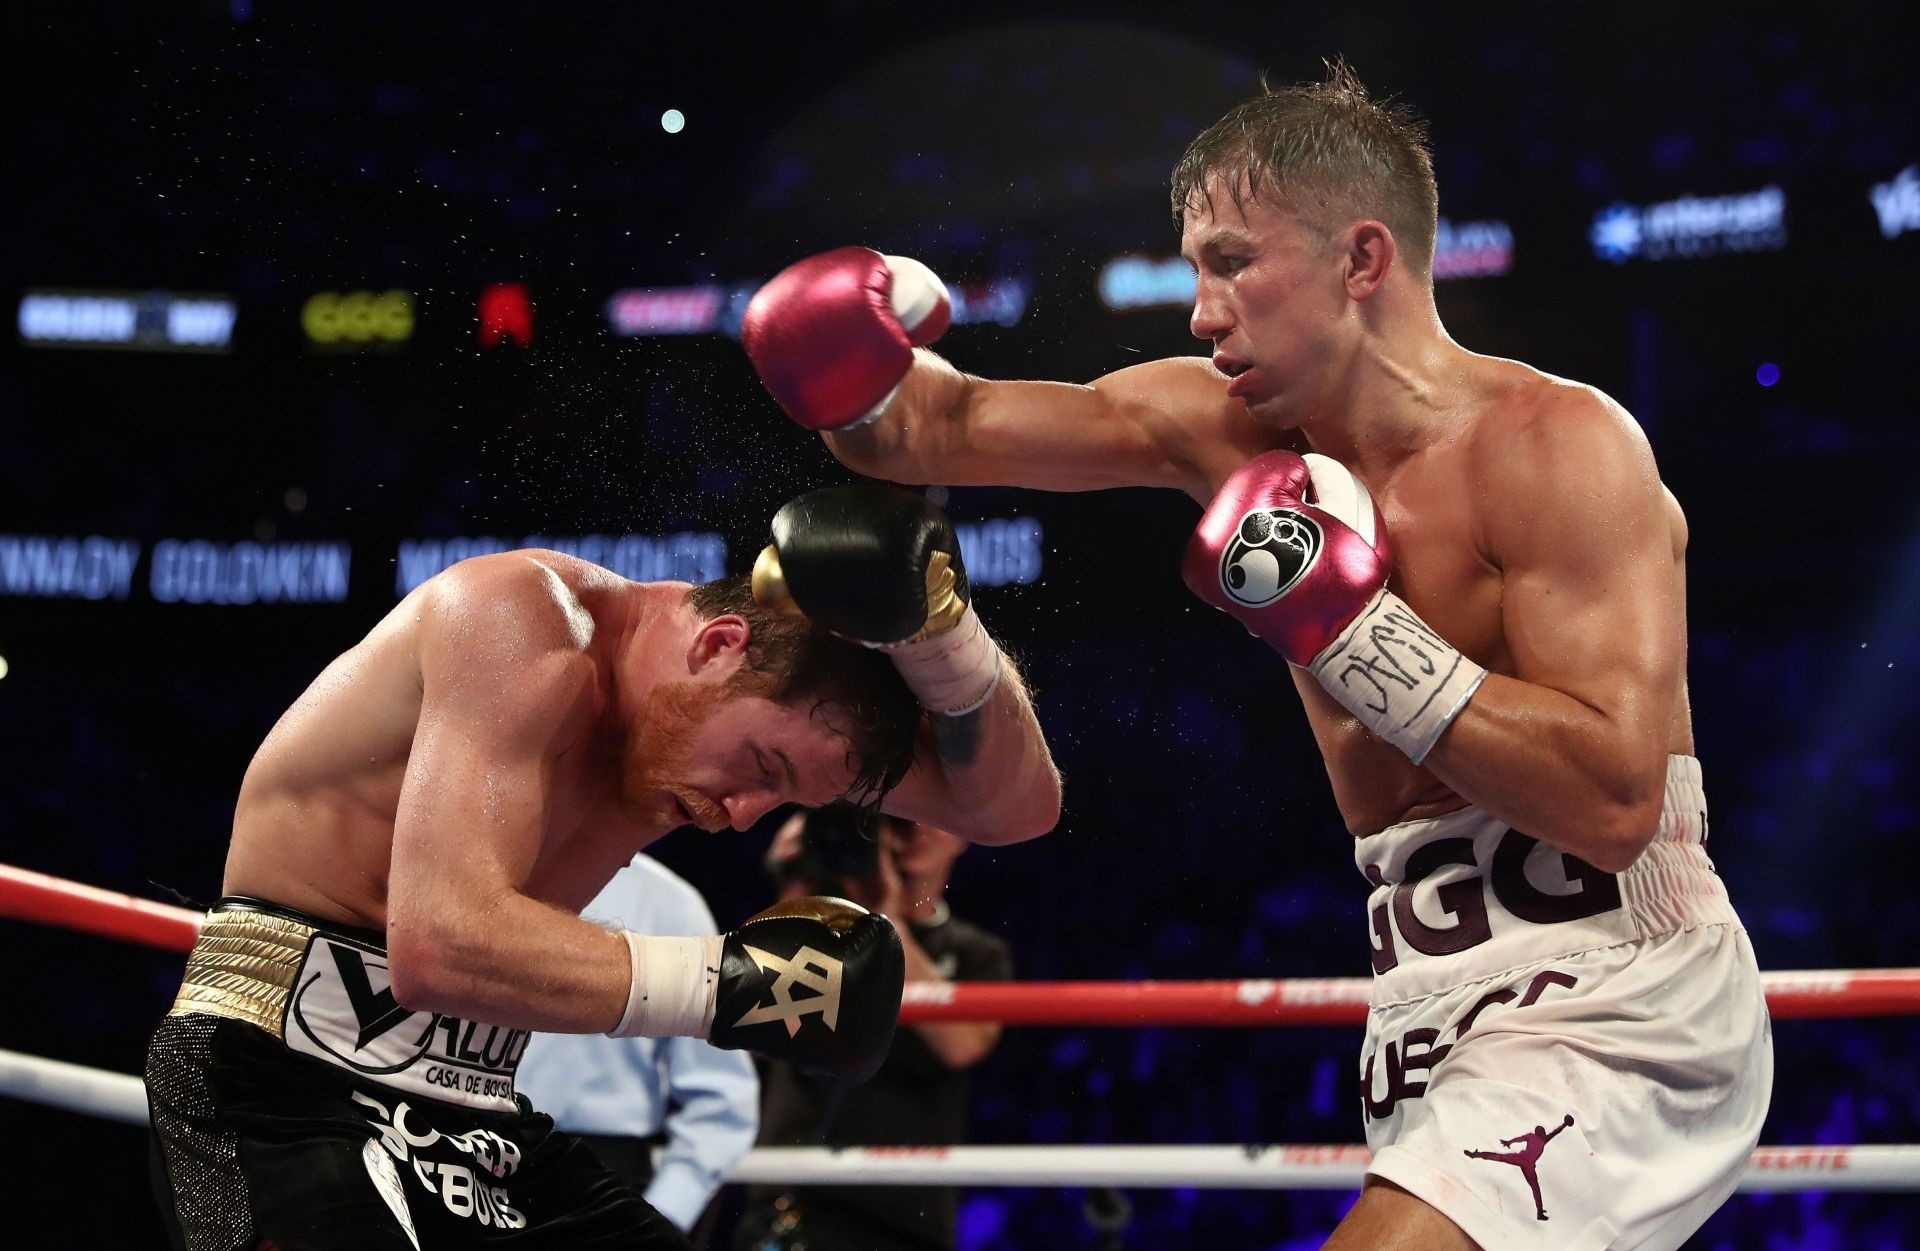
x=29 y=896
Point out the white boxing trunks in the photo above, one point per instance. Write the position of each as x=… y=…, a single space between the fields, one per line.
x=1558 y=1057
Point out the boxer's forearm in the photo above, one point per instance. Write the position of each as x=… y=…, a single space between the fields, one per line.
x=1557 y=769
x=986 y=775
x=514 y=962
x=1000 y=777
x=1136 y=428
x=914 y=440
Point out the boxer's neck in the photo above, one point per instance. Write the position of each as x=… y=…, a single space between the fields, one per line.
x=1405 y=391
x=652 y=645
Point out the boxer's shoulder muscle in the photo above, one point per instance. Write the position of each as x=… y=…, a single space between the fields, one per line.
x=512 y=634
x=1544 y=446
x=532 y=597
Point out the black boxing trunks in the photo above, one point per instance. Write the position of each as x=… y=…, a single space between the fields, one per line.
x=297 y=1107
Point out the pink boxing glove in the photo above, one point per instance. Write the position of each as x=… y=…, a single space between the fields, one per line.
x=832 y=336
x=1294 y=548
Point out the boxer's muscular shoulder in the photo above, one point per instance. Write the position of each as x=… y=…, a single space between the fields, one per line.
x=531 y=595
x=1545 y=445
x=518 y=618
x=1546 y=433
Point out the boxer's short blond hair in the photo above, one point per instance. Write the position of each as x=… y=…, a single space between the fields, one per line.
x=1327 y=151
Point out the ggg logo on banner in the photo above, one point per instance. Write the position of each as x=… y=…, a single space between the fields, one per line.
x=357 y=319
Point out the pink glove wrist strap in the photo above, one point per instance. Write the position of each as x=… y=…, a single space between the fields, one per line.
x=1401 y=679
x=673 y=987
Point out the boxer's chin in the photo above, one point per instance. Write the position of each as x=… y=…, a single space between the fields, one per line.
x=1273 y=412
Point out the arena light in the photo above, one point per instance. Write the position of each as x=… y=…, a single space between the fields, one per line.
x=1481 y=249
x=1896 y=202
x=358 y=319
x=999 y=301
x=1130 y=282
x=639 y=311
x=67 y=566
x=506 y=315
x=139 y=321
x=689 y=556
x=1691 y=227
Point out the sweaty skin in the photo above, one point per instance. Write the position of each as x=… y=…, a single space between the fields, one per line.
x=470 y=774
x=1527 y=519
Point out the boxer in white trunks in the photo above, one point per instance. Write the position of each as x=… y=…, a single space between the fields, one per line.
x=1479 y=579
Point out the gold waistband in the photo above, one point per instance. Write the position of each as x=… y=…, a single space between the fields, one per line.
x=242 y=966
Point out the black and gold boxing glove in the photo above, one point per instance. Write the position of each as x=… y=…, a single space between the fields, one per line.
x=815 y=982
x=881 y=566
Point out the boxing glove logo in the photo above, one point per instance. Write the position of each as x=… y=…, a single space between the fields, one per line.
x=808 y=969
x=1271 y=550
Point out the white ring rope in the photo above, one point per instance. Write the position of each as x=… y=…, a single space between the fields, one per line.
x=122 y=1097
x=91 y=1092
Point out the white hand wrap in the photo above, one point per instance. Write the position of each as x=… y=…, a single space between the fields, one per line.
x=952 y=672
x=1402 y=680
x=672 y=993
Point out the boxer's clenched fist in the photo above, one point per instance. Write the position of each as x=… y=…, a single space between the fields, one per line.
x=738 y=990
x=833 y=335
x=813 y=981
x=882 y=566
x=873 y=563
x=1292 y=546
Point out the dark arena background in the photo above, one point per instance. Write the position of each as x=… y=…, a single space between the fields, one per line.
x=314 y=300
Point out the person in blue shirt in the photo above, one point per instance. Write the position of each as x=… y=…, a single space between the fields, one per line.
x=623 y=1094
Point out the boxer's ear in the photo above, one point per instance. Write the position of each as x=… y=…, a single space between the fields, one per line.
x=720 y=641
x=1371 y=251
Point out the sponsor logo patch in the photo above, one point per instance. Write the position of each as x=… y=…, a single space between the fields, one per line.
x=1528 y=1148
x=343 y=1011
x=808 y=969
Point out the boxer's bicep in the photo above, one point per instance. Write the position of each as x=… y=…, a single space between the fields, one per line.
x=497 y=699
x=1591 y=601
x=1158 y=424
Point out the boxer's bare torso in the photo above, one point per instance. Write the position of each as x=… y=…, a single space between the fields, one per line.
x=314 y=825
x=1448 y=565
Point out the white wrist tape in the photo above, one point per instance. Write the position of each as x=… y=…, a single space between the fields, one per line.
x=1402 y=680
x=674 y=980
x=953 y=672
